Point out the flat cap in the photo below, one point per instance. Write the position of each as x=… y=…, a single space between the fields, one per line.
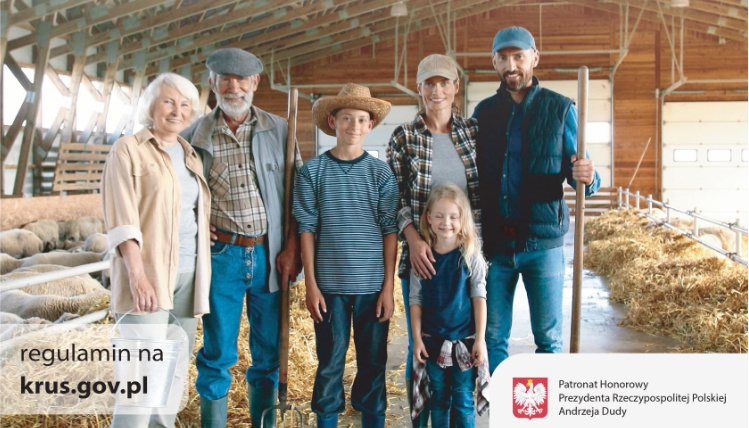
x=233 y=61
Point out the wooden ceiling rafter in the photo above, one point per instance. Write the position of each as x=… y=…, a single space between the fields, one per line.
x=145 y=27
x=279 y=33
x=72 y=27
x=198 y=28
x=387 y=31
x=219 y=37
x=691 y=26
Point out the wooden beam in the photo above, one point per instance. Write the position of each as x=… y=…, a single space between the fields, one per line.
x=138 y=80
x=385 y=31
x=42 y=9
x=737 y=12
x=688 y=14
x=690 y=26
x=191 y=29
x=106 y=95
x=253 y=43
x=27 y=140
x=202 y=39
x=145 y=25
x=71 y=27
x=14 y=68
x=75 y=84
x=54 y=77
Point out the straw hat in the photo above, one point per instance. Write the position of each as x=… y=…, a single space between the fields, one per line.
x=351 y=96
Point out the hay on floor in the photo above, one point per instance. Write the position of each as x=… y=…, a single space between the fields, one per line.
x=671 y=284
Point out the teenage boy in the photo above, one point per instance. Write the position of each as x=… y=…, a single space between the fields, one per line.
x=345 y=203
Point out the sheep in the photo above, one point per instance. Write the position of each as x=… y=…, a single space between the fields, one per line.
x=12 y=325
x=96 y=243
x=71 y=286
x=726 y=237
x=47 y=230
x=80 y=228
x=8 y=263
x=49 y=306
x=63 y=258
x=20 y=243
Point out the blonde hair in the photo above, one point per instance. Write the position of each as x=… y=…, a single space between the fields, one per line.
x=470 y=244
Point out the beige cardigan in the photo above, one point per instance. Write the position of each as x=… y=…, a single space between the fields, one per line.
x=141 y=199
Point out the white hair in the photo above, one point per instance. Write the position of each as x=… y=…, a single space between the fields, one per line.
x=153 y=90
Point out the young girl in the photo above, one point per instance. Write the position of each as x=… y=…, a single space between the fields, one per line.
x=448 y=311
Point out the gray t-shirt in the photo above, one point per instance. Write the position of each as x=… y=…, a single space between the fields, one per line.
x=188 y=223
x=447 y=166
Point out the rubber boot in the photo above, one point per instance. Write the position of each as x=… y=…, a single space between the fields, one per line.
x=261 y=399
x=423 y=420
x=369 y=420
x=329 y=422
x=213 y=412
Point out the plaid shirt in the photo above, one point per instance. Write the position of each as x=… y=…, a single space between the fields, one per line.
x=411 y=161
x=237 y=205
x=420 y=392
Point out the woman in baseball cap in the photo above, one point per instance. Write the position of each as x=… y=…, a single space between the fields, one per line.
x=437 y=147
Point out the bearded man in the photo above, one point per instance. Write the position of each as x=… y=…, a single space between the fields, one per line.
x=525 y=150
x=243 y=150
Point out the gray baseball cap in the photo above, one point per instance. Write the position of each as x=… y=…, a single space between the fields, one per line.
x=233 y=61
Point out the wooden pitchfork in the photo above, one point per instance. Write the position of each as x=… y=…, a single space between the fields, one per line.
x=577 y=264
x=283 y=369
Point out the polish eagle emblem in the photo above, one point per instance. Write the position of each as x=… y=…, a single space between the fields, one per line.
x=530 y=399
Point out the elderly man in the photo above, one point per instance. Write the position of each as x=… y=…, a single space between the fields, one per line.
x=525 y=150
x=243 y=151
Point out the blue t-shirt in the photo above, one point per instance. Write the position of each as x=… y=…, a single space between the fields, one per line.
x=445 y=299
x=349 y=206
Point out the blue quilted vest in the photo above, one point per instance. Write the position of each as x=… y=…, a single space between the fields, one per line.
x=544 y=213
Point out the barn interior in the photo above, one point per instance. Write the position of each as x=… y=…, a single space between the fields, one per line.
x=667 y=104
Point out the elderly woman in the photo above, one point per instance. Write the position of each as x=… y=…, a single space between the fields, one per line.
x=437 y=147
x=156 y=209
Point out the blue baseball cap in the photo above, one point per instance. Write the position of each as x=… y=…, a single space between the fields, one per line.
x=516 y=37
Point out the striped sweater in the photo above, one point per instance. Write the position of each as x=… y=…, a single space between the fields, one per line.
x=349 y=206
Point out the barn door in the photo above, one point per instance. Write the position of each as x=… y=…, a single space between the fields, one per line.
x=705 y=158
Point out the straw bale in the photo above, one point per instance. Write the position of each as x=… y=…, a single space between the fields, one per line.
x=671 y=284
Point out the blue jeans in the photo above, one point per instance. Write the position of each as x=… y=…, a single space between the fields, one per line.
x=405 y=283
x=239 y=274
x=451 y=387
x=543 y=276
x=370 y=339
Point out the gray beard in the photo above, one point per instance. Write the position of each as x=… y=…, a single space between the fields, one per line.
x=233 y=110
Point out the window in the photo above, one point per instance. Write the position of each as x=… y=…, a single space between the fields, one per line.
x=685 y=155
x=719 y=155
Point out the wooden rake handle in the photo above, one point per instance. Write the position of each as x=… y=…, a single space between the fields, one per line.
x=577 y=275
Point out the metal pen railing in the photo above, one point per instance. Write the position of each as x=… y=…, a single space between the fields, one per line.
x=623 y=200
x=17 y=283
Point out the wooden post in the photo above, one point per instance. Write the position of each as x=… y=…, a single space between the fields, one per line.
x=577 y=276
x=75 y=85
x=283 y=370
x=33 y=97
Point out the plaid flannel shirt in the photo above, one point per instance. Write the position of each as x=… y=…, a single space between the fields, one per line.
x=420 y=391
x=411 y=160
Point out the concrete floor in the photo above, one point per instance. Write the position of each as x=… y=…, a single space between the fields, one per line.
x=599 y=333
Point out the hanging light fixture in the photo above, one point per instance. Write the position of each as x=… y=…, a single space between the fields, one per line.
x=679 y=3
x=399 y=9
